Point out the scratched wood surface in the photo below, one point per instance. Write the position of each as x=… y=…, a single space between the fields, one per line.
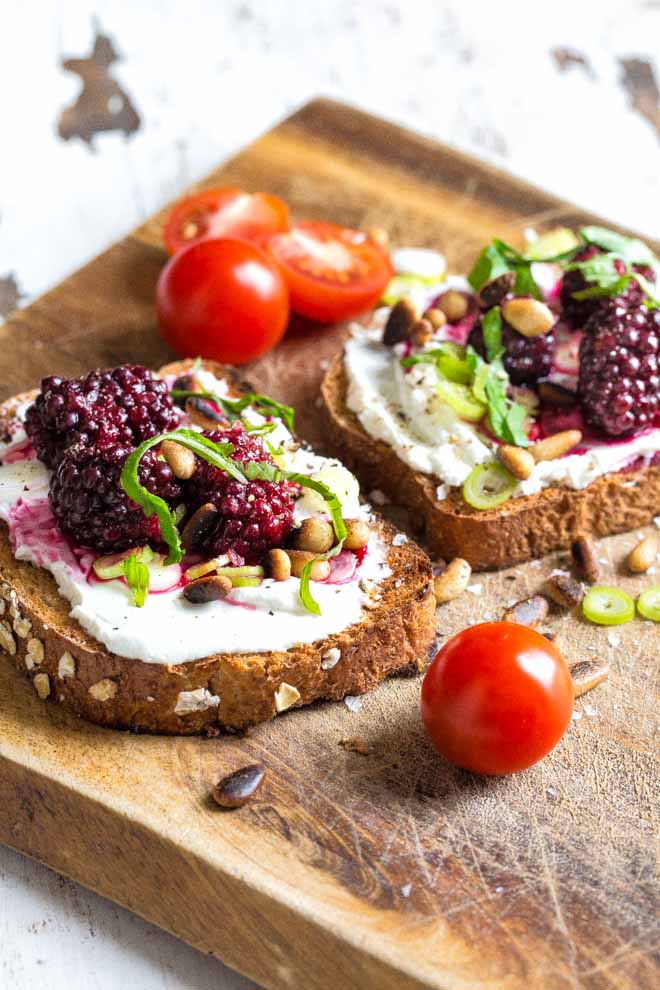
x=390 y=870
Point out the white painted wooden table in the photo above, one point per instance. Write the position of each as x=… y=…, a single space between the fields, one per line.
x=563 y=93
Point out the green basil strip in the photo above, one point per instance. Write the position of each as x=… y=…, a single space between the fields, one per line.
x=137 y=579
x=306 y=596
x=492 y=330
x=232 y=408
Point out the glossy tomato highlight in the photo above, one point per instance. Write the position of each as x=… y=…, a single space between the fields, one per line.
x=223 y=299
x=224 y=212
x=497 y=698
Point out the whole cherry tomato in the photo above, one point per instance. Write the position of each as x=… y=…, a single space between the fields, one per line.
x=222 y=299
x=226 y=212
x=497 y=698
x=332 y=272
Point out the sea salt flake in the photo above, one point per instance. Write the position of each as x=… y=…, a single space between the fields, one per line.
x=405 y=890
x=576 y=716
x=613 y=639
x=353 y=702
x=551 y=792
x=656 y=520
x=441 y=492
x=590 y=711
x=558 y=572
x=476 y=589
x=399 y=540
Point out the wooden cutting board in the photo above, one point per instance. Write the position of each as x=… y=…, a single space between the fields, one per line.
x=391 y=871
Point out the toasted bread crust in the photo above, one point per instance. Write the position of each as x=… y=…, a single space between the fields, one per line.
x=37 y=631
x=520 y=530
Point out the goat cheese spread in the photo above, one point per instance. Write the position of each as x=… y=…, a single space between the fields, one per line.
x=402 y=408
x=169 y=629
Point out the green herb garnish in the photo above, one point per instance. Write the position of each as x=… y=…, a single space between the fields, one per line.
x=611 y=272
x=492 y=330
x=137 y=579
x=232 y=408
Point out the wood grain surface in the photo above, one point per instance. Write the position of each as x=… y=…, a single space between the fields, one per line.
x=387 y=870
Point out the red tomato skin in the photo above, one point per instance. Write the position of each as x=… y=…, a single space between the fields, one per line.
x=497 y=698
x=222 y=299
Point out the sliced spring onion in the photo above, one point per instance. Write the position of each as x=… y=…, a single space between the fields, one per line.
x=554 y=242
x=246 y=582
x=453 y=364
x=112 y=565
x=608 y=606
x=255 y=571
x=487 y=486
x=461 y=399
x=401 y=286
x=648 y=603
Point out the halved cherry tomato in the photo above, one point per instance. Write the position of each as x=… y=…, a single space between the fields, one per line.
x=497 y=698
x=332 y=272
x=225 y=212
x=223 y=299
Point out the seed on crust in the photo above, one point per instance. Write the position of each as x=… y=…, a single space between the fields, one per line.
x=585 y=560
x=42 y=685
x=435 y=317
x=104 y=690
x=66 y=668
x=315 y=534
x=198 y=526
x=180 y=459
x=517 y=460
x=204 y=413
x=402 y=318
x=320 y=568
x=330 y=658
x=237 y=788
x=278 y=565
x=556 y=395
x=642 y=555
x=588 y=674
x=421 y=333
x=528 y=316
x=286 y=696
x=7 y=641
x=35 y=648
x=210 y=588
x=564 y=590
x=22 y=627
x=528 y=612
x=453 y=304
x=555 y=446
x=453 y=581
x=357 y=534
x=493 y=292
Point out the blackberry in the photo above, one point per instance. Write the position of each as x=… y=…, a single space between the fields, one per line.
x=92 y=508
x=253 y=517
x=122 y=406
x=576 y=312
x=619 y=383
x=526 y=359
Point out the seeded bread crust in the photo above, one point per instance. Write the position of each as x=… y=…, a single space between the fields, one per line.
x=522 y=529
x=67 y=665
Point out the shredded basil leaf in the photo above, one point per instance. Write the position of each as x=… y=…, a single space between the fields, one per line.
x=137 y=579
x=492 y=329
x=629 y=249
x=232 y=408
x=490 y=264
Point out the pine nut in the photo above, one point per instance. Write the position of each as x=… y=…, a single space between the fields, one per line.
x=588 y=674
x=198 y=525
x=564 y=590
x=528 y=612
x=643 y=555
x=453 y=304
x=315 y=535
x=435 y=317
x=207 y=589
x=555 y=446
x=357 y=534
x=320 y=568
x=517 y=460
x=493 y=292
x=400 y=322
x=180 y=459
x=236 y=789
x=453 y=581
x=585 y=559
x=528 y=316
x=421 y=333
x=205 y=414
x=279 y=565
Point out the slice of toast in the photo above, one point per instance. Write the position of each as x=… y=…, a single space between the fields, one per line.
x=69 y=666
x=522 y=529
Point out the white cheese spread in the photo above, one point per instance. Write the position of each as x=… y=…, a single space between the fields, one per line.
x=168 y=629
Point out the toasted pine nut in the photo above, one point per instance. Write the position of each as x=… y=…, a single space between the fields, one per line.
x=588 y=674
x=180 y=459
x=198 y=525
x=453 y=304
x=421 y=333
x=435 y=317
x=493 y=292
x=453 y=581
x=643 y=555
x=585 y=559
x=315 y=534
x=564 y=590
x=357 y=534
x=517 y=460
x=402 y=318
x=555 y=446
x=529 y=612
x=279 y=565
x=211 y=588
x=528 y=316
x=320 y=568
